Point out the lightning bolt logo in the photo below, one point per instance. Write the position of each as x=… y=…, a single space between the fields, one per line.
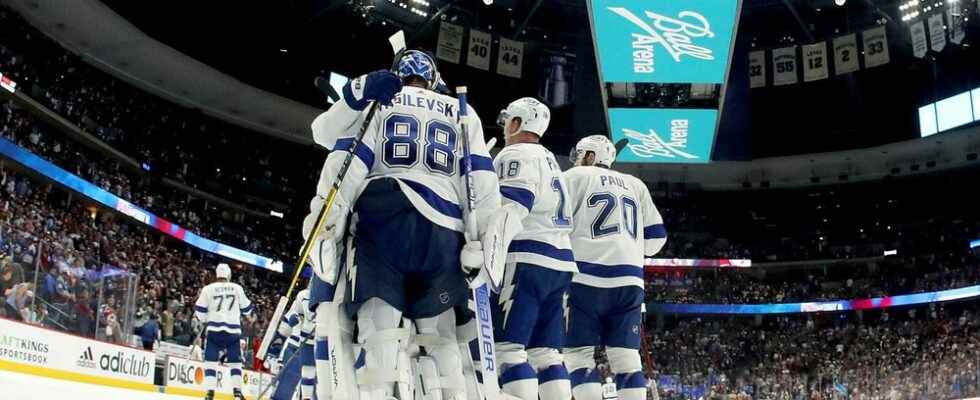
x=507 y=293
x=351 y=267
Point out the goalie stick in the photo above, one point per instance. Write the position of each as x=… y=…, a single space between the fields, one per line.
x=481 y=284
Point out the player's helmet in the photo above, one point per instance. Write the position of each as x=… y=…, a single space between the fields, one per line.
x=420 y=64
x=605 y=151
x=534 y=115
x=223 y=271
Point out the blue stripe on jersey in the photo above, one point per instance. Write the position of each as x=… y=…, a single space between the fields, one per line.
x=610 y=271
x=363 y=152
x=306 y=335
x=351 y=101
x=443 y=206
x=200 y=309
x=293 y=320
x=480 y=163
x=655 y=232
x=518 y=195
x=542 y=248
x=248 y=309
x=223 y=325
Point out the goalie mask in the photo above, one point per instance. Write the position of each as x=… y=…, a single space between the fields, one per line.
x=600 y=145
x=419 y=63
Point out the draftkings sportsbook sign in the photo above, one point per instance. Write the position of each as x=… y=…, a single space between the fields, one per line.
x=665 y=41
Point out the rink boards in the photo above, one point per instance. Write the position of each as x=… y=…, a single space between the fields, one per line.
x=31 y=350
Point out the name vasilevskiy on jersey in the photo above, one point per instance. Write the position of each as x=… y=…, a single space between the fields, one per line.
x=439 y=106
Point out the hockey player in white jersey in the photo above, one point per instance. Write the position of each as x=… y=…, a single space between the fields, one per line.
x=220 y=306
x=529 y=311
x=296 y=332
x=405 y=191
x=616 y=225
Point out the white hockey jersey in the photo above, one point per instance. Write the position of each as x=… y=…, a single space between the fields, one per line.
x=534 y=190
x=221 y=305
x=616 y=225
x=417 y=141
x=298 y=322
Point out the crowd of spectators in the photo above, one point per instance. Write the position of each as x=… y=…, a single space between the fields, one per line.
x=73 y=266
x=931 y=352
x=231 y=163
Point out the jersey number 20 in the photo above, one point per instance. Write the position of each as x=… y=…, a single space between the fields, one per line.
x=608 y=203
x=401 y=143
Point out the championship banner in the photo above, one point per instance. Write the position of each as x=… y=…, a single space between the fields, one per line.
x=875 y=47
x=510 y=58
x=478 y=50
x=186 y=374
x=784 y=66
x=956 y=18
x=450 y=42
x=937 y=33
x=677 y=41
x=815 y=62
x=919 y=44
x=663 y=135
x=757 y=68
x=56 y=352
x=845 y=54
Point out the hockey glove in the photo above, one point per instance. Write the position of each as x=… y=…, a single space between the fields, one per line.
x=380 y=86
x=471 y=258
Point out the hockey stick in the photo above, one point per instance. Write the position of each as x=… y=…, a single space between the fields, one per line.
x=275 y=378
x=480 y=285
x=398 y=46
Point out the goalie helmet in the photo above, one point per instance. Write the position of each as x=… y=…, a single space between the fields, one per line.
x=600 y=145
x=534 y=115
x=421 y=64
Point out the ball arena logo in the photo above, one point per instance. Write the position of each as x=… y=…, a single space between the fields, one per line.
x=676 y=36
x=649 y=145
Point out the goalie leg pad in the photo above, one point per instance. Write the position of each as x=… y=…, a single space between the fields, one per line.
x=383 y=345
x=437 y=335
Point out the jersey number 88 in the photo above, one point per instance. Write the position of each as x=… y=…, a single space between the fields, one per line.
x=401 y=144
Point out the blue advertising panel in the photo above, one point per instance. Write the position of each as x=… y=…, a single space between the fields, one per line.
x=664 y=135
x=820 y=306
x=666 y=41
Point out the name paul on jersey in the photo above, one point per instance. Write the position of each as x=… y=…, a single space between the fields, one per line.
x=432 y=104
x=613 y=180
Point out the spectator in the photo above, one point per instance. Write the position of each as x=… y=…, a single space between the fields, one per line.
x=19 y=301
x=167 y=320
x=150 y=332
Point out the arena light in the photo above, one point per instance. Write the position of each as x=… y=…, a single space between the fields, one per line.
x=276 y=214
